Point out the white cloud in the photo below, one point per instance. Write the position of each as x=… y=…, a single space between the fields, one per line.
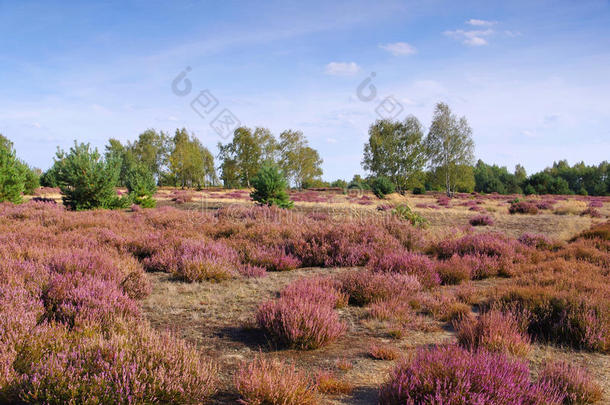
x=512 y=34
x=480 y=23
x=399 y=48
x=331 y=140
x=471 y=38
x=342 y=68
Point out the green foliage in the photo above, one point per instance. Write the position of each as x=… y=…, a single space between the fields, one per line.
x=405 y=212
x=419 y=190
x=450 y=147
x=32 y=178
x=381 y=186
x=339 y=183
x=245 y=154
x=359 y=183
x=395 y=151
x=86 y=180
x=490 y=179
x=270 y=187
x=141 y=185
x=190 y=163
x=300 y=163
x=12 y=174
x=462 y=179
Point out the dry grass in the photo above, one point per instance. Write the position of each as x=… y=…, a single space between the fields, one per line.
x=219 y=317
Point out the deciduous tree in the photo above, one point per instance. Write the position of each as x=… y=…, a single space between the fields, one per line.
x=449 y=145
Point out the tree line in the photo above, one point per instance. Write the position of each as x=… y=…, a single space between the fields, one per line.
x=398 y=156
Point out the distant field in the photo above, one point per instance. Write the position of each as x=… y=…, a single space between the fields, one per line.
x=338 y=287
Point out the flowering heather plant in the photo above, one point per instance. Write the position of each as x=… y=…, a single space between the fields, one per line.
x=455 y=270
x=75 y=299
x=205 y=260
x=523 y=207
x=576 y=382
x=592 y=212
x=136 y=285
x=443 y=201
x=493 y=331
x=481 y=220
x=249 y=271
x=273 y=259
x=559 y=316
x=596 y=204
x=138 y=367
x=364 y=287
x=274 y=382
x=299 y=323
x=451 y=375
x=407 y=263
x=490 y=253
x=195 y=260
x=537 y=241
x=322 y=290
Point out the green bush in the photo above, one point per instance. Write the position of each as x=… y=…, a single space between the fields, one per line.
x=419 y=190
x=270 y=187
x=404 y=212
x=12 y=173
x=141 y=185
x=32 y=179
x=86 y=180
x=381 y=186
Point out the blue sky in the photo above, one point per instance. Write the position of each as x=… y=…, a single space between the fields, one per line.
x=532 y=77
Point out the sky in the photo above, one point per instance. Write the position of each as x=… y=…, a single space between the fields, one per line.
x=531 y=77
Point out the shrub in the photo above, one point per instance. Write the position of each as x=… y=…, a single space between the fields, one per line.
x=136 y=285
x=250 y=271
x=558 y=316
x=328 y=383
x=274 y=382
x=321 y=290
x=272 y=259
x=138 y=367
x=404 y=212
x=86 y=180
x=299 y=323
x=523 y=207
x=601 y=231
x=493 y=331
x=193 y=260
x=383 y=352
x=140 y=181
x=419 y=190
x=77 y=299
x=396 y=310
x=270 y=187
x=364 y=287
x=381 y=186
x=576 y=382
x=481 y=220
x=451 y=375
x=407 y=263
x=592 y=212
x=536 y=241
x=455 y=270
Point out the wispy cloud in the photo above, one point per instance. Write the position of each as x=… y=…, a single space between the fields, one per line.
x=399 y=48
x=480 y=23
x=471 y=37
x=342 y=68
